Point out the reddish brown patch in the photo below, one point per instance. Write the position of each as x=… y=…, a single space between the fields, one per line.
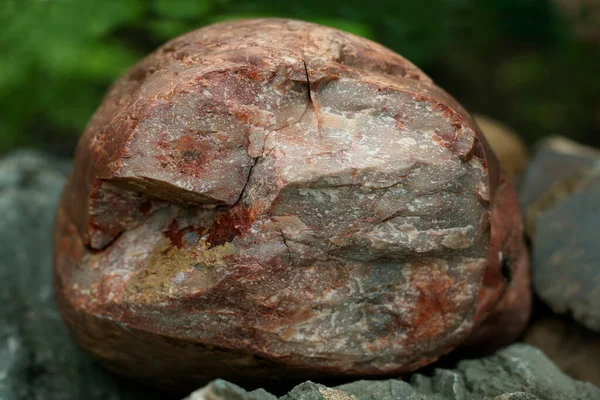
x=444 y=109
x=177 y=235
x=188 y=154
x=433 y=302
x=234 y=222
x=503 y=308
x=439 y=140
x=430 y=309
x=453 y=139
x=146 y=207
x=399 y=121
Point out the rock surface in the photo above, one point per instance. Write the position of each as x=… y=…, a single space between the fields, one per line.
x=561 y=196
x=555 y=159
x=508 y=146
x=574 y=349
x=273 y=199
x=38 y=358
x=519 y=372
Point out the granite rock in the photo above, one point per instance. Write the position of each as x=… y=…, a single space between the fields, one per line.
x=519 y=372
x=273 y=199
x=38 y=358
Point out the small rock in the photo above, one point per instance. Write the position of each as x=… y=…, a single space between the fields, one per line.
x=519 y=372
x=555 y=159
x=508 y=146
x=574 y=349
x=560 y=193
x=220 y=389
x=566 y=254
x=38 y=358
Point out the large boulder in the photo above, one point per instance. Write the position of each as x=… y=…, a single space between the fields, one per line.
x=274 y=199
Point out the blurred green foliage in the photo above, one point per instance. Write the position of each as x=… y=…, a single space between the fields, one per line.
x=521 y=61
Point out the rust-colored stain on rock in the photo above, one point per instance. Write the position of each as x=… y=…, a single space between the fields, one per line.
x=229 y=224
x=272 y=199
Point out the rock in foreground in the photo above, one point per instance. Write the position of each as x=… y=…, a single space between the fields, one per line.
x=273 y=199
x=519 y=372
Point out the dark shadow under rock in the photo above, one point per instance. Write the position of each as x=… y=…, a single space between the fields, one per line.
x=573 y=348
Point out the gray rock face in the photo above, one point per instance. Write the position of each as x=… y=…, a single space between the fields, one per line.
x=561 y=196
x=519 y=372
x=38 y=359
x=556 y=159
x=567 y=256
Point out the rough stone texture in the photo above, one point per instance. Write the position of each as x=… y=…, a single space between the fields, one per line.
x=574 y=349
x=561 y=196
x=506 y=144
x=519 y=372
x=272 y=199
x=38 y=358
x=556 y=159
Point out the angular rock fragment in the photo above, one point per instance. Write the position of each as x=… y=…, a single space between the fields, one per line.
x=273 y=199
x=519 y=372
x=555 y=159
x=561 y=196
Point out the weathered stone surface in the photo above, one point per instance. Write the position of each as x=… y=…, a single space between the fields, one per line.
x=574 y=349
x=272 y=199
x=561 y=196
x=555 y=159
x=38 y=358
x=519 y=372
x=506 y=144
x=566 y=253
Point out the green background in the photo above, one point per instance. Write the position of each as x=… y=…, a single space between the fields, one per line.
x=533 y=64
